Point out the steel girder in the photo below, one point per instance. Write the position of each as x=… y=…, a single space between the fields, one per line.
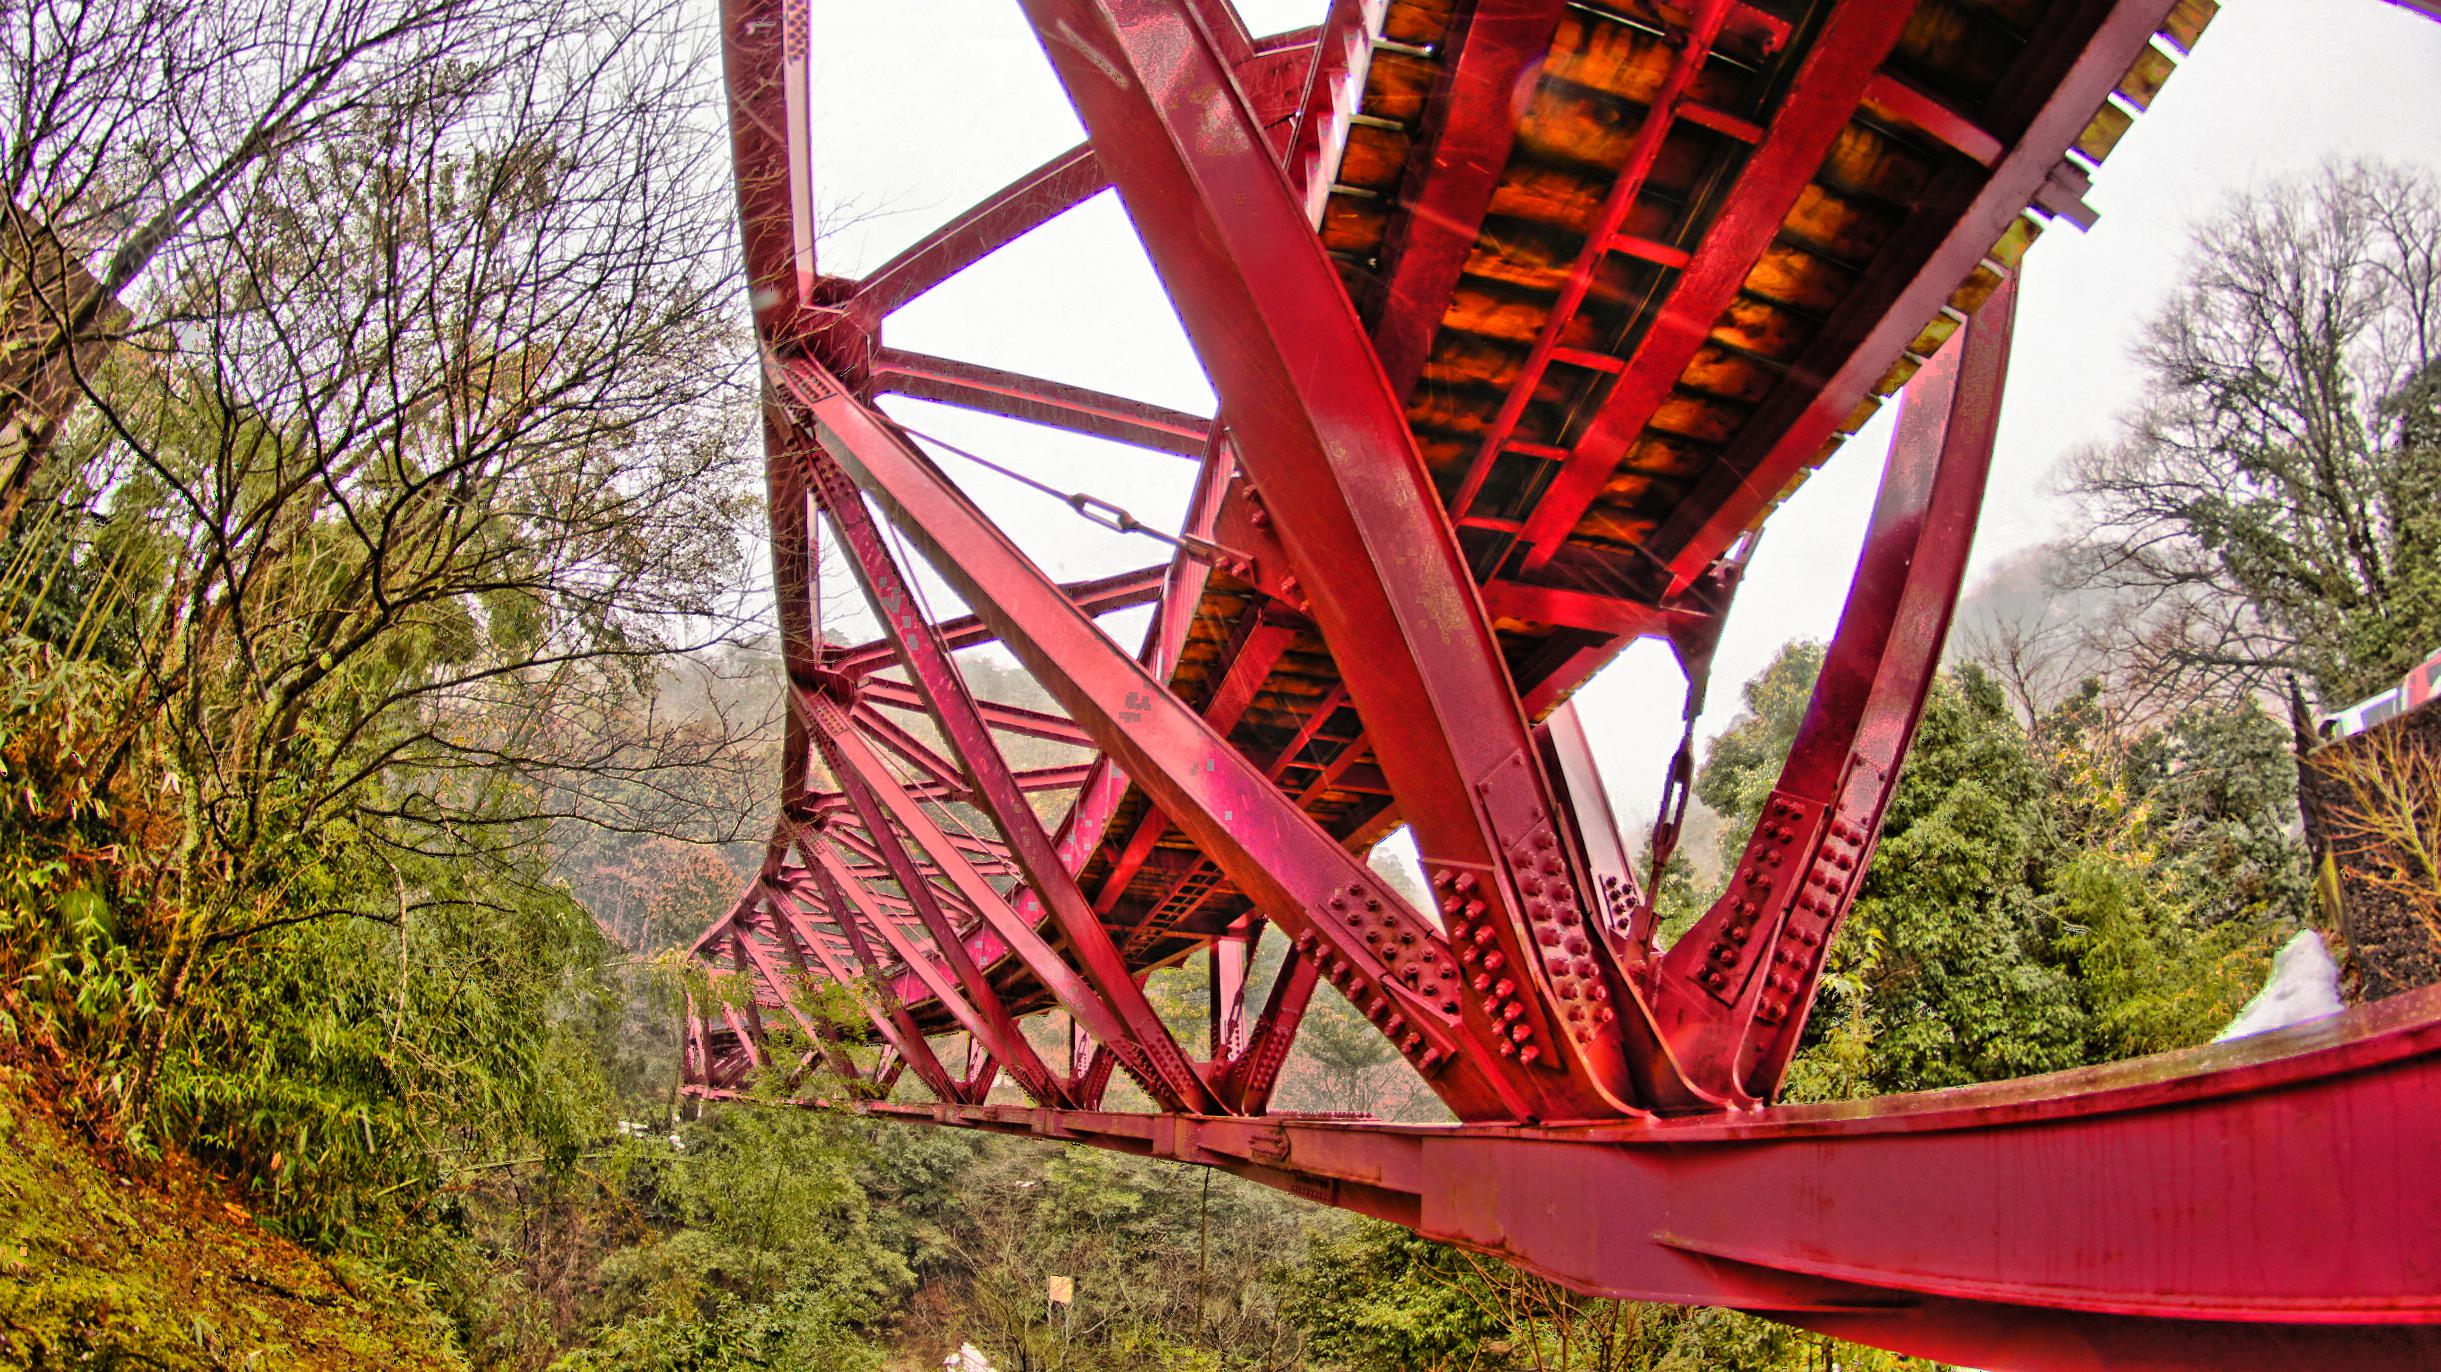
x=1614 y=1133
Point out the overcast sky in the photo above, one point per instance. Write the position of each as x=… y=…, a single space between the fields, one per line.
x=923 y=106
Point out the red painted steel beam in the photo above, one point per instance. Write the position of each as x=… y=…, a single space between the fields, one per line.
x=938 y=770
x=1272 y=77
x=1602 y=238
x=1616 y=617
x=971 y=1001
x=1104 y=998
x=1603 y=850
x=1011 y=719
x=751 y=1043
x=999 y=219
x=1736 y=989
x=1098 y=596
x=1334 y=87
x=1225 y=987
x=1303 y=879
x=1053 y=404
x=979 y=850
x=1903 y=103
x=764 y=61
x=1255 y=1072
x=1914 y=274
x=1470 y=126
x=1258 y=649
x=819 y=1035
x=1326 y=445
x=2266 y=1203
x=1822 y=97
x=895 y=1025
x=1069 y=777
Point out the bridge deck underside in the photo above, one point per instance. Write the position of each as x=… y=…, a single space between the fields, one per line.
x=1524 y=315
x=1636 y=311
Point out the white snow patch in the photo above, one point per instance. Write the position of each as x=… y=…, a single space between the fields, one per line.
x=968 y=1358
x=2304 y=985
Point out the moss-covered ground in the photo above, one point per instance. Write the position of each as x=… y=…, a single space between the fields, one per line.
x=107 y=1264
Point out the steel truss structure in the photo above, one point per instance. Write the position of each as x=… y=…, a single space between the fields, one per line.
x=1366 y=626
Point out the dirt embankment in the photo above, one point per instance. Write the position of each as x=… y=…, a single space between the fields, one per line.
x=155 y=1266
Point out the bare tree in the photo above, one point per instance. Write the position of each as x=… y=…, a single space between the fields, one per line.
x=2275 y=503
x=132 y=122
x=430 y=447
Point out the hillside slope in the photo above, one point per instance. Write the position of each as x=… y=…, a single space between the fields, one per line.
x=104 y=1270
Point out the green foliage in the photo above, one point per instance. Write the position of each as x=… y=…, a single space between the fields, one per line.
x=99 y=1268
x=2041 y=897
x=764 y=1252
x=1375 y=1298
x=341 y=1061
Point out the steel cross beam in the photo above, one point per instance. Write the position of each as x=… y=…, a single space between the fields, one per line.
x=1917 y=270
x=1736 y=989
x=1106 y=998
x=1012 y=719
x=1322 y=437
x=1055 y=404
x=878 y=800
x=2175 y=1214
x=1470 y=126
x=1301 y=877
x=1098 y=596
x=1854 y=40
x=755 y=961
x=897 y=1027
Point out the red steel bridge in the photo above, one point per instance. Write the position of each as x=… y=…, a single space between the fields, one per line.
x=1523 y=316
